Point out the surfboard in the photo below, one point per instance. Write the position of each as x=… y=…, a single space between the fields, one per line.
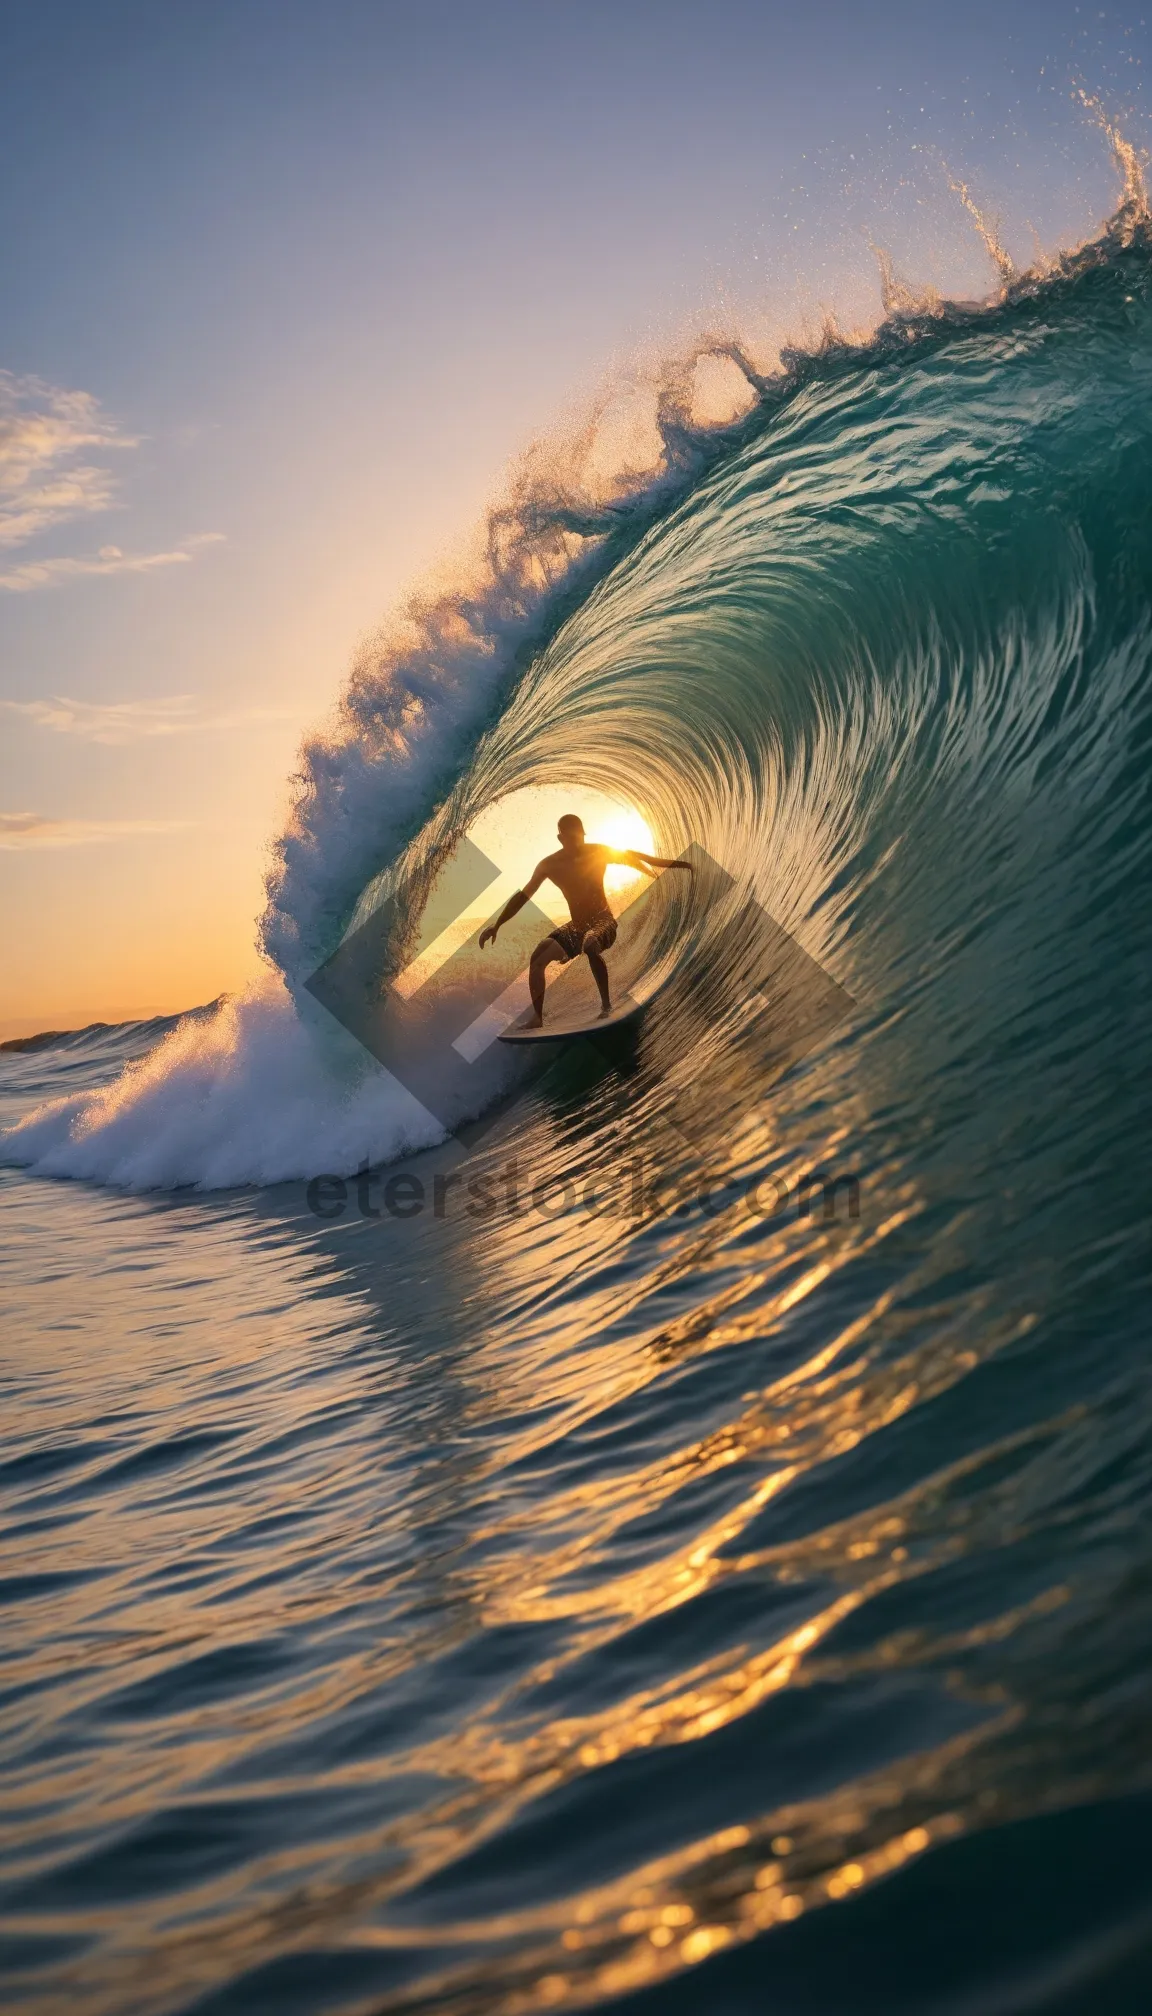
x=566 y=1022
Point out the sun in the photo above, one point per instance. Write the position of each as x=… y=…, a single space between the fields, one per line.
x=518 y=830
x=622 y=827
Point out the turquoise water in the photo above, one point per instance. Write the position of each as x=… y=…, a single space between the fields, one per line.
x=679 y=1585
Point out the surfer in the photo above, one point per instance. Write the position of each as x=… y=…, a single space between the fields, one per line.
x=577 y=869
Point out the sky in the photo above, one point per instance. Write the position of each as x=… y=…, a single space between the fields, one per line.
x=289 y=285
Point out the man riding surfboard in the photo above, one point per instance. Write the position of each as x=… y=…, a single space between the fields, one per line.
x=577 y=870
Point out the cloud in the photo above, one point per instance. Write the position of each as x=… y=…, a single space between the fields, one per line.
x=119 y=723
x=43 y=430
x=38 y=507
x=113 y=722
x=109 y=560
x=23 y=830
x=48 y=478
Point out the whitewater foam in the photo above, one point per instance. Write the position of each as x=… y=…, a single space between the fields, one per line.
x=251 y=1094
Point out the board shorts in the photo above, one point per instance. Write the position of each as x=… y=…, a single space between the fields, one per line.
x=570 y=937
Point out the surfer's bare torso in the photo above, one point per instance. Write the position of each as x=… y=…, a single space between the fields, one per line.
x=580 y=879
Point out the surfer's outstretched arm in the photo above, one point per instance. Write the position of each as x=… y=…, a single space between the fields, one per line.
x=515 y=903
x=631 y=857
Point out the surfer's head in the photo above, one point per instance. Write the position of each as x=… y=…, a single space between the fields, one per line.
x=570 y=832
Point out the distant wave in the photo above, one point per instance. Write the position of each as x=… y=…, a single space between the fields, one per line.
x=146 y=1031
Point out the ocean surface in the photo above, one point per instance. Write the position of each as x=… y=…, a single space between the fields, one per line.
x=671 y=1529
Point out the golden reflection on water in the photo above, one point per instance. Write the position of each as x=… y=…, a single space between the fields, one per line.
x=561 y=1336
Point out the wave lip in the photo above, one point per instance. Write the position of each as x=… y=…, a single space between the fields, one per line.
x=420 y=696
